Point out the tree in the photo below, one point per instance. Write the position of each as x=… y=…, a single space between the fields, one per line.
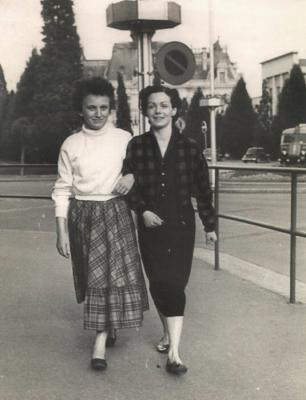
x=238 y=122
x=292 y=101
x=263 y=121
x=59 y=68
x=123 y=108
x=6 y=144
x=156 y=79
x=265 y=108
x=291 y=105
x=184 y=109
x=27 y=88
x=195 y=116
x=22 y=130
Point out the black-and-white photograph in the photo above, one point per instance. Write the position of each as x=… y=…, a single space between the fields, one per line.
x=152 y=199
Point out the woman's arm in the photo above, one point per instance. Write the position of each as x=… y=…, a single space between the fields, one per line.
x=62 y=243
x=61 y=193
x=62 y=189
x=134 y=197
x=125 y=184
x=203 y=193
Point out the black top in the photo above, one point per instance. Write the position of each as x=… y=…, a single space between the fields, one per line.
x=186 y=175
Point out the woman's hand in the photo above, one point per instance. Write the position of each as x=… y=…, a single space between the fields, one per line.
x=62 y=243
x=124 y=185
x=151 y=220
x=211 y=237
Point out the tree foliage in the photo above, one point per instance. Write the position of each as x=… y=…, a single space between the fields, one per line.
x=7 y=148
x=263 y=121
x=195 y=116
x=27 y=88
x=45 y=88
x=292 y=101
x=291 y=106
x=238 y=122
x=123 y=108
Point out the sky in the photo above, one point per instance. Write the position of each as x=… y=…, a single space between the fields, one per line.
x=251 y=30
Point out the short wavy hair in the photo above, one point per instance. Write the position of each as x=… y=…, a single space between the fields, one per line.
x=171 y=93
x=96 y=86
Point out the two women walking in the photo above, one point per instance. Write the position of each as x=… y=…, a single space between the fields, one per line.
x=162 y=170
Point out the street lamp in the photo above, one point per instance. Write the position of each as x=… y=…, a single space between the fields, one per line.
x=142 y=18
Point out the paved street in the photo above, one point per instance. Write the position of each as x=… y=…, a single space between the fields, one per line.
x=241 y=342
x=259 y=246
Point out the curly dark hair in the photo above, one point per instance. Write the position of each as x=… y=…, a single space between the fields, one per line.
x=96 y=86
x=171 y=93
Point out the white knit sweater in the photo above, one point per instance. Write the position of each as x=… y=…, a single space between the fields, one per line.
x=89 y=166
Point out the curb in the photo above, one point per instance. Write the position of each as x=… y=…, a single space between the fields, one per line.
x=260 y=276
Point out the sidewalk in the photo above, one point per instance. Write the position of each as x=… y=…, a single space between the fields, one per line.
x=240 y=341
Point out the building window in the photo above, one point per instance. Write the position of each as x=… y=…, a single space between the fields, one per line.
x=222 y=76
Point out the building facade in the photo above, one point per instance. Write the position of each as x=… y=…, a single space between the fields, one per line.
x=276 y=70
x=124 y=60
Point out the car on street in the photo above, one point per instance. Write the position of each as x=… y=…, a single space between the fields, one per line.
x=255 y=154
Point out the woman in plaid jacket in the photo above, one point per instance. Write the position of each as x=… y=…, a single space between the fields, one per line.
x=168 y=169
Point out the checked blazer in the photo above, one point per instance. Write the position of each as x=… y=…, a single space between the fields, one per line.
x=144 y=161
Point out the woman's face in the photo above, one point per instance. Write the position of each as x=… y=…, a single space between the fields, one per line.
x=95 y=110
x=159 y=110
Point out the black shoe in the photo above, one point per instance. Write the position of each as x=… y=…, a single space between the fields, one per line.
x=175 y=368
x=111 y=339
x=98 y=364
x=162 y=348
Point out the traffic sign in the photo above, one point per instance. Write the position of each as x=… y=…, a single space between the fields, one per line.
x=175 y=63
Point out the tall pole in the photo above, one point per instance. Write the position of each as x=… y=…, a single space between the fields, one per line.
x=212 y=93
x=145 y=66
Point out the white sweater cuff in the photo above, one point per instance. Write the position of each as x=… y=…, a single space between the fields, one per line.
x=62 y=210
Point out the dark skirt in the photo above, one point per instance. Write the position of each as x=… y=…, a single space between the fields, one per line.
x=167 y=251
x=106 y=264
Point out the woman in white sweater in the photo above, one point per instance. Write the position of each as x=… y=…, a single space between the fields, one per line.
x=94 y=222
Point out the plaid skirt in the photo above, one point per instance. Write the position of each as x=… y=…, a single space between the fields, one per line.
x=106 y=264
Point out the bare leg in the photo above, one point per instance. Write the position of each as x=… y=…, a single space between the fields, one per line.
x=175 y=326
x=99 y=346
x=165 y=339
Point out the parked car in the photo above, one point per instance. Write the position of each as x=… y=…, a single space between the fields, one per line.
x=255 y=154
x=207 y=154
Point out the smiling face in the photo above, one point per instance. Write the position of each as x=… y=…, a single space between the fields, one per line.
x=159 y=110
x=95 y=110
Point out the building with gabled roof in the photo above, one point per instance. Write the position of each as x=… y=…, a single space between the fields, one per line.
x=124 y=60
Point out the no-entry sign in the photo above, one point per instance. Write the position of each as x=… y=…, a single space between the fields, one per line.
x=175 y=63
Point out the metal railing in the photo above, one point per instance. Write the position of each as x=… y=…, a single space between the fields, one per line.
x=292 y=230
